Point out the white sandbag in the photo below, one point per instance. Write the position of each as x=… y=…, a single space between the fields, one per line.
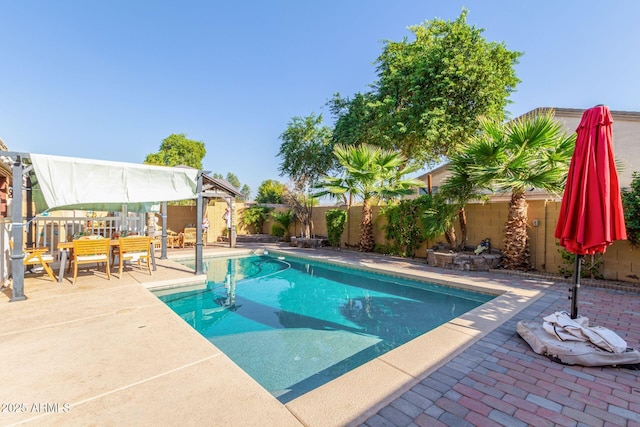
x=571 y=352
x=564 y=328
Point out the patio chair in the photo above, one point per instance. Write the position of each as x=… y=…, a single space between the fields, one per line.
x=37 y=256
x=174 y=239
x=134 y=248
x=189 y=237
x=91 y=251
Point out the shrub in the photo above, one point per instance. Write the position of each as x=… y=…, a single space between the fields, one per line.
x=631 y=205
x=255 y=217
x=404 y=228
x=277 y=230
x=284 y=219
x=336 y=221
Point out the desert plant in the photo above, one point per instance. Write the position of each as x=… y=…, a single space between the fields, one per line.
x=372 y=174
x=336 y=221
x=255 y=217
x=284 y=219
x=529 y=152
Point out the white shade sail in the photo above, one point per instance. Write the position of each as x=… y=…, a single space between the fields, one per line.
x=75 y=183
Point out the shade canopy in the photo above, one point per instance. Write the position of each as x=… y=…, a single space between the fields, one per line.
x=83 y=184
x=591 y=216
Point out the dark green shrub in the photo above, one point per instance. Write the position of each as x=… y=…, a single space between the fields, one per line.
x=631 y=206
x=284 y=219
x=404 y=229
x=336 y=222
x=589 y=268
x=277 y=230
x=255 y=217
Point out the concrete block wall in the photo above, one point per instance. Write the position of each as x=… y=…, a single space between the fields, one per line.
x=620 y=261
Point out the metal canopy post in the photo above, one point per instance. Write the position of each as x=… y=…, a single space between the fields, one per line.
x=199 y=266
x=163 y=254
x=17 y=255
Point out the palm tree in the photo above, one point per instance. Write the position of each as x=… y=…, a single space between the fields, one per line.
x=529 y=152
x=371 y=174
x=458 y=189
x=285 y=219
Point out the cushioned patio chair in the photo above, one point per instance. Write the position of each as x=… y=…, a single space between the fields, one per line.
x=91 y=251
x=134 y=248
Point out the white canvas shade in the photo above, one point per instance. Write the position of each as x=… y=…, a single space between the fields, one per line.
x=75 y=183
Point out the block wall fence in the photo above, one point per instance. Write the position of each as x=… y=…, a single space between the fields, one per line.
x=621 y=262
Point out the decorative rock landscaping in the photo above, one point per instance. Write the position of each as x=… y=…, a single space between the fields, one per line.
x=463 y=261
x=309 y=243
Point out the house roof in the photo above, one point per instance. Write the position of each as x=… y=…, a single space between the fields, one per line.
x=218 y=187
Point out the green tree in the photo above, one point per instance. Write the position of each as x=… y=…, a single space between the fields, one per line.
x=246 y=192
x=255 y=217
x=306 y=154
x=372 y=175
x=530 y=152
x=431 y=91
x=285 y=219
x=458 y=189
x=270 y=191
x=233 y=180
x=177 y=150
x=437 y=218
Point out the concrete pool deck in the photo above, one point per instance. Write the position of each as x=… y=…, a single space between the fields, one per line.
x=110 y=353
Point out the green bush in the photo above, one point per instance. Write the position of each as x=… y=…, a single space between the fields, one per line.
x=404 y=228
x=284 y=219
x=255 y=217
x=277 y=230
x=336 y=222
x=631 y=206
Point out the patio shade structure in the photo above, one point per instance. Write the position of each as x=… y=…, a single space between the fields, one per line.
x=591 y=216
x=72 y=183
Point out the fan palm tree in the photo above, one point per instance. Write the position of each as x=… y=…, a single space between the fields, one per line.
x=458 y=189
x=529 y=152
x=371 y=174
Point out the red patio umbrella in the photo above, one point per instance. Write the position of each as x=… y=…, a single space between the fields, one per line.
x=591 y=216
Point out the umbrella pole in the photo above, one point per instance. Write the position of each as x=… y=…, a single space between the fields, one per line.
x=576 y=286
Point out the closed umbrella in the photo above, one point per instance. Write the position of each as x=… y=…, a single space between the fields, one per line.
x=591 y=216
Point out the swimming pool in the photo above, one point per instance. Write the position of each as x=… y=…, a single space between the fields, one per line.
x=294 y=324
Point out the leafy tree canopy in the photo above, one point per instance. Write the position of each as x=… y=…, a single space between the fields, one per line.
x=306 y=150
x=233 y=180
x=270 y=191
x=430 y=92
x=177 y=150
x=246 y=192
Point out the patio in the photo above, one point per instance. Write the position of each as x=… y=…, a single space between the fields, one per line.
x=109 y=352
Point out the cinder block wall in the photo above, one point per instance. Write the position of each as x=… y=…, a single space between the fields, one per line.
x=620 y=261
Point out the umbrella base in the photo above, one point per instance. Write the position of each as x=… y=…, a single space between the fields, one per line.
x=572 y=352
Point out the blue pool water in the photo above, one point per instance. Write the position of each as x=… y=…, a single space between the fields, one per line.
x=294 y=324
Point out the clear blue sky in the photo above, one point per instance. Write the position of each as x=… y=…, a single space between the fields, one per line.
x=111 y=79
